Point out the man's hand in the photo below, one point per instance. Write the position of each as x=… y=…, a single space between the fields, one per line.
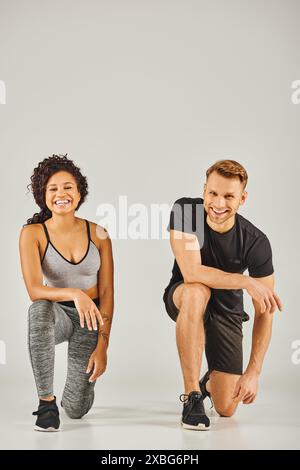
x=246 y=388
x=264 y=296
x=97 y=363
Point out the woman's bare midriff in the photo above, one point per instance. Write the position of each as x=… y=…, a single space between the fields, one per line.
x=92 y=292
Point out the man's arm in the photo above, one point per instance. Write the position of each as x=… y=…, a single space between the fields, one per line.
x=186 y=250
x=261 y=333
x=247 y=385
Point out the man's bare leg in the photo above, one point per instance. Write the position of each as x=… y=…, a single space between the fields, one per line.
x=221 y=386
x=191 y=299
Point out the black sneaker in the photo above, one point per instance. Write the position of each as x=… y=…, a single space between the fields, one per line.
x=202 y=385
x=193 y=414
x=47 y=416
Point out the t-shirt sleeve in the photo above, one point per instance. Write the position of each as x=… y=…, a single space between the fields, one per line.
x=187 y=216
x=260 y=262
x=181 y=217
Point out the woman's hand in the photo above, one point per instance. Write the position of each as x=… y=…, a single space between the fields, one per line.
x=97 y=363
x=87 y=310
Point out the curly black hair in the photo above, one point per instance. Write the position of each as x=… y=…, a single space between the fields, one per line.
x=40 y=177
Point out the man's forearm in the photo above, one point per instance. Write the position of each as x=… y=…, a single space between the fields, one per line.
x=106 y=309
x=261 y=336
x=217 y=279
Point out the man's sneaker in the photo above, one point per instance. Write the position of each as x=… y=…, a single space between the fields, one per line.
x=193 y=414
x=47 y=416
x=202 y=385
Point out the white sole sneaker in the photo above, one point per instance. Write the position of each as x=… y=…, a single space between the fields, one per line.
x=199 y=427
x=38 y=428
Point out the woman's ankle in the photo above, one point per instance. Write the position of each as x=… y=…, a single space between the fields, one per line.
x=47 y=398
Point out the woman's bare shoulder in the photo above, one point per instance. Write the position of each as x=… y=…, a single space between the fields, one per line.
x=98 y=233
x=31 y=232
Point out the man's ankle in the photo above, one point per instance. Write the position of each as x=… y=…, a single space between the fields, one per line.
x=191 y=389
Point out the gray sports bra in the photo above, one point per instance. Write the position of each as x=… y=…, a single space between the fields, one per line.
x=60 y=272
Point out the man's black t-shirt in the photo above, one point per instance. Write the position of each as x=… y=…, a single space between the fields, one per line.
x=242 y=247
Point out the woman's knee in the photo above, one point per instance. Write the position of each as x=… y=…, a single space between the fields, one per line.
x=73 y=410
x=40 y=310
x=74 y=413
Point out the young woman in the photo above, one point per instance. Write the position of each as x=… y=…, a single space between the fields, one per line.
x=67 y=267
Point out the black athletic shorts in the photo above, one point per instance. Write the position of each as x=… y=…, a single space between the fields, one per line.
x=223 y=336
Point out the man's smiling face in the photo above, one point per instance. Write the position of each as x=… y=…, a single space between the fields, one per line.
x=222 y=199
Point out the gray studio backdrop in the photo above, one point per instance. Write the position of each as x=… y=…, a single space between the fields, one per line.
x=144 y=96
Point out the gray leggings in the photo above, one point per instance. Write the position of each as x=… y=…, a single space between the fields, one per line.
x=50 y=323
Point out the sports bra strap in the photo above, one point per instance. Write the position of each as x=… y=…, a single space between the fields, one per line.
x=88 y=229
x=46 y=232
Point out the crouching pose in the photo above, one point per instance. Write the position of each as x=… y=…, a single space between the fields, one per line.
x=213 y=245
x=67 y=267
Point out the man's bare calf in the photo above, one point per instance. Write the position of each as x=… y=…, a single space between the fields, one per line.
x=191 y=299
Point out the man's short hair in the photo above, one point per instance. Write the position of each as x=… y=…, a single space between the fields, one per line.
x=229 y=169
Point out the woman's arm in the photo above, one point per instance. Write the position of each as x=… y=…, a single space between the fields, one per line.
x=98 y=360
x=32 y=269
x=106 y=286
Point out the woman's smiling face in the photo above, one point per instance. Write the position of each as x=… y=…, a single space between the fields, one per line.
x=62 y=195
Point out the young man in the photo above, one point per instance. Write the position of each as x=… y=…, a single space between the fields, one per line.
x=213 y=245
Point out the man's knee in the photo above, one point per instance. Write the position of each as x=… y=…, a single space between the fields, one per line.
x=225 y=411
x=195 y=293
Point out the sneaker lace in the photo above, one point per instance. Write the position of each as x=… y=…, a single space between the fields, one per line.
x=190 y=400
x=183 y=397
